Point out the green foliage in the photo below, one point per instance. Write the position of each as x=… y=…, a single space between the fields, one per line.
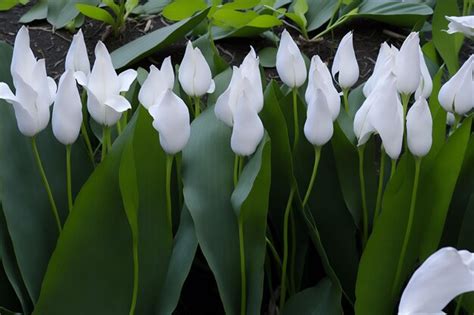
x=6 y=5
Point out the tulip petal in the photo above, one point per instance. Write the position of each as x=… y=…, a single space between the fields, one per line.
x=186 y=70
x=407 y=65
x=226 y=101
x=212 y=87
x=118 y=103
x=443 y=276
x=461 y=24
x=419 y=128
x=102 y=114
x=23 y=59
x=103 y=80
x=6 y=93
x=345 y=63
x=289 y=62
x=67 y=111
x=126 y=79
x=77 y=58
x=318 y=127
x=426 y=84
x=81 y=78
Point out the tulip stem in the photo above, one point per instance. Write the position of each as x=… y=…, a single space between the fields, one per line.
x=68 y=177
x=317 y=156
x=105 y=131
x=135 y=276
x=169 y=164
x=365 y=215
x=285 y=248
x=273 y=251
x=236 y=170
x=393 y=168
x=85 y=134
x=458 y=305
x=197 y=108
x=378 y=203
x=406 y=239
x=46 y=184
x=295 y=118
x=243 y=276
x=345 y=95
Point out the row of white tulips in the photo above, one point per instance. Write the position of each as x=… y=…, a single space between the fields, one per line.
x=398 y=74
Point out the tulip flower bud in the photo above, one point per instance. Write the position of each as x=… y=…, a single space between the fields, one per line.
x=345 y=63
x=157 y=82
x=171 y=120
x=247 y=131
x=384 y=64
x=104 y=102
x=194 y=73
x=461 y=24
x=426 y=84
x=35 y=91
x=407 y=65
x=318 y=127
x=457 y=95
x=320 y=78
x=250 y=70
x=289 y=62
x=77 y=59
x=444 y=275
x=419 y=128
x=67 y=110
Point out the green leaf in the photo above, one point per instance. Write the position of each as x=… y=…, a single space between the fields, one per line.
x=151 y=7
x=95 y=13
x=403 y=14
x=104 y=250
x=113 y=6
x=181 y=9
x=154 y=41
x=255 y=27
x=268 y=57
x=233 y=18
x=322 y=299
x=241 y=4
x=4 y=311
x=61 y=12
x=38 y=11
x=8 y=297
x=319 y=12
x=6 y=5
x=250 y=203
x=300 y=7
x=23 y=196
x=130 y=5
x=447 y=45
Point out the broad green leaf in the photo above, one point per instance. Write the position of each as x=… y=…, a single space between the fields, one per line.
x=61 y=12
x=8 y=298
x=319 y=12
x=208 y=155
x=268 y=57
x=250 y=203
x=241 y=4
x=104 y=250
x=154 y=41
x=38 y=11
x=404 y=14
x=10 y=265
x=447 y=45
x=255 y=27
x=6 y=5
x=322 y=299
x=130 y=5
x=300 y=7
x=379 y=261
x=184 y=249
x=25 y=203
x=95 y=13
x=113 y=6
x=222 y=82
x=233 y=18
x=4 y=311
x=151 y=7
x=182 y=9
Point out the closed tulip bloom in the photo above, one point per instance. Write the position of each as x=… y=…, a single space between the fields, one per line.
x=419 y=128
x=457 y=95
x=250 y=69
x=345 y=63
x=461 y=24
x=320 y=79
x=194 y=73
x=77 y=59
x=444 y=275
x=157 y=82
x=247 y=131
x=318 y=127
x=383 y=65
x=407 y=65
x=104 y=102
x=34 y=90
x=289 y=62
x=426 y=84
x=67 y=110
x=171 y=120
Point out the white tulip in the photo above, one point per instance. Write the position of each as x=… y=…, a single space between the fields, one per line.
x=457 y=95
x=318 y=127
x=384 y=64
x=228 y=101
x=407 y=65
x=104 y=102
x=247 y=131
x=450 y=119
x=461 y=24
x=35 y=91
x=426 y=84
x=171 y=120
x=289 y=62
x=157 y=82
x=194 y=73
x=382 y=112
x=320 y=78
x=67 y=110
x=77 y=59
x=419 y=128
x=345 y=63
x=443 y=276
